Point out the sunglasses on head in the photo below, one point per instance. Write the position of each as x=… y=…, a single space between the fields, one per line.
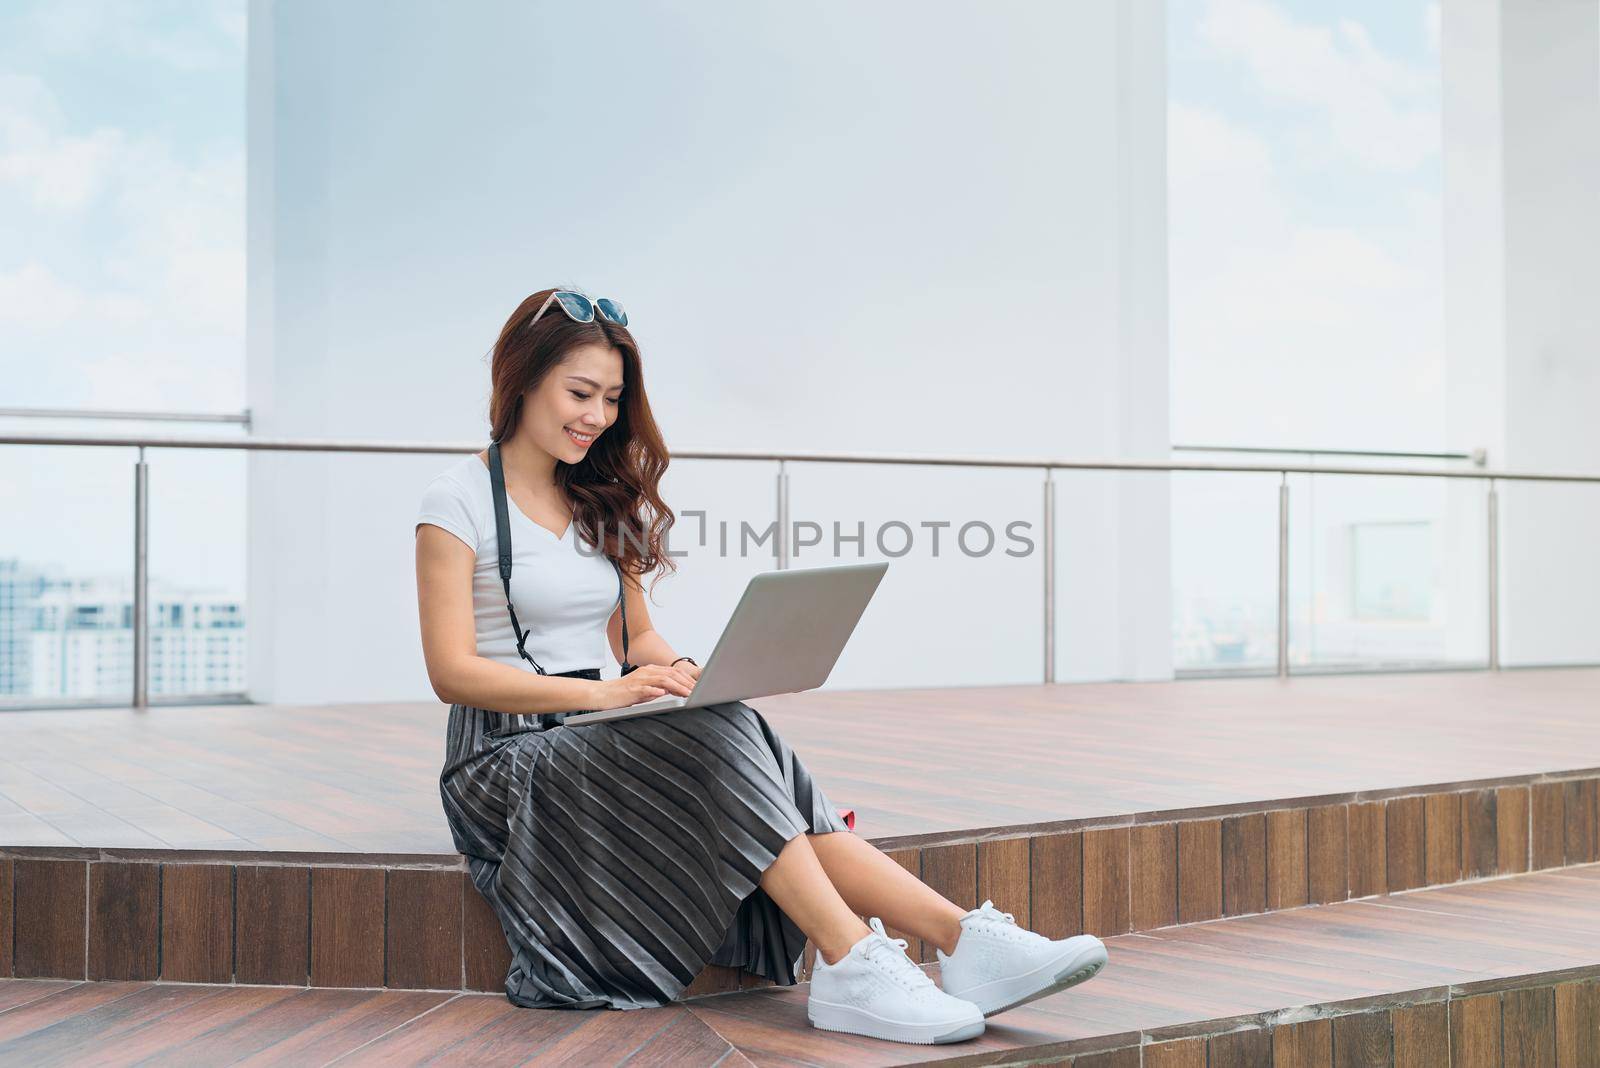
x=582 y=309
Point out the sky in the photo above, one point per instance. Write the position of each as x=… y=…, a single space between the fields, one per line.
x=122 y=187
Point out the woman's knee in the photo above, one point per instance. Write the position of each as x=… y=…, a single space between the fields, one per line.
x=734 y=711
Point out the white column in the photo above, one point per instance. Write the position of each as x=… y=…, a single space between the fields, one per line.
x=1522 y=270
x=1143 y=432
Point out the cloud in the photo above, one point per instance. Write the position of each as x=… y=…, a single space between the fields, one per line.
x=1351 y=99
x=183 y=234
x=189 y=35
x=1237 y=243
x=136 y=297
x=53 y=169
x=35 y=298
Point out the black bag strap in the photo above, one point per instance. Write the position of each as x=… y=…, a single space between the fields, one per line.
x=502 y=529
x=622 y=603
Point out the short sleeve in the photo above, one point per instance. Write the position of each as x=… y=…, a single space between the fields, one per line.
x=445 y=504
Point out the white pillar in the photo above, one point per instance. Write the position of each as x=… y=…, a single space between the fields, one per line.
x=1144 y=425
x=1522 y=270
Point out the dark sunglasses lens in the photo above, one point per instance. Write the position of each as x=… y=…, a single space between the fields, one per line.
x=612 y=311
x=577 y=306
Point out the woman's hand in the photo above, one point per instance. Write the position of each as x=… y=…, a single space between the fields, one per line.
x=692 y=670
x=644 y=683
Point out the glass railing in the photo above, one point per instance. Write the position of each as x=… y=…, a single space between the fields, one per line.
x=1384 y=573
x=1285 y=564
x=67 y=595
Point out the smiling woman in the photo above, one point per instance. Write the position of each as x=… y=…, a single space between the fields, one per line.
x=555 y=821
x=623 y=856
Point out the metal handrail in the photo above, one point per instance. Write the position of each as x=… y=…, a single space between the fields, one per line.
x=138 y=417
x=1049 y=465
x=789 y=455
x=1477 y=456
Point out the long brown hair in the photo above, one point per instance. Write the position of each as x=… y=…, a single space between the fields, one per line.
x=614 y=490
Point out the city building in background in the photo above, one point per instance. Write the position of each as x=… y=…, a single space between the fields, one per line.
x=72 y=636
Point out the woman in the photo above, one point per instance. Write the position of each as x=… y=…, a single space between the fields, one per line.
x=622 y=856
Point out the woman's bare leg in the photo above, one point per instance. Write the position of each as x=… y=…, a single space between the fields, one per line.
x=827 y=882
x=799 y=886
x=872 y=884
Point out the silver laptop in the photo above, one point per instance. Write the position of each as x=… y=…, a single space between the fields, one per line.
x=785 y=636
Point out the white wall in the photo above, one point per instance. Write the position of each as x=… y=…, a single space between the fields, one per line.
x=1522 y=230
x=837 y=226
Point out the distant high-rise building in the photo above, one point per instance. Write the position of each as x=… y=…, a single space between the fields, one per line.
x=73 y=637
x=20 y=587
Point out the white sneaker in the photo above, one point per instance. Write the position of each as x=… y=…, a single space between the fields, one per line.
x=876 y=990
x=998 y=965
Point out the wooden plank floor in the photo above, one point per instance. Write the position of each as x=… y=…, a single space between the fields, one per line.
x=1517 y=959
x=914 y=764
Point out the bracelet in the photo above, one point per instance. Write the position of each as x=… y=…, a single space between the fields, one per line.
x=688 y=658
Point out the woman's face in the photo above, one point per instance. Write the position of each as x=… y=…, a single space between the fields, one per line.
x=579 y=398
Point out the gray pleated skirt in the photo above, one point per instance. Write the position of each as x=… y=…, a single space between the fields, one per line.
x=624 y=855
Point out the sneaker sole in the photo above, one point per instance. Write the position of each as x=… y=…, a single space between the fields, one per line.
x=851 y=1020
x=1077 y=969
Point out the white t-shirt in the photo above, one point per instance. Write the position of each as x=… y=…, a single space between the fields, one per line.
x=562 y=596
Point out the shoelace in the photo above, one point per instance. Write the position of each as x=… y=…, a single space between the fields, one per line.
x=892 y=952
x=1004 y=924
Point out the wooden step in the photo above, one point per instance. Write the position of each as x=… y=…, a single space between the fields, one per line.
x=1503 y=971
x=323 y=919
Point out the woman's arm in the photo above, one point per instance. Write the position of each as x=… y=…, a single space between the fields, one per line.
x=645 y=643
x=449 y=640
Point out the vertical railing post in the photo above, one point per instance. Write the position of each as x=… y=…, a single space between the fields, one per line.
x=1049 y=577
x=1283 y=575
x=781 y=544
x=1494 y=578
x=141 y=582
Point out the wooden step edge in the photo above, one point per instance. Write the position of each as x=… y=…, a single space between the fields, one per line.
x=99 y=916
x=1545 y=1010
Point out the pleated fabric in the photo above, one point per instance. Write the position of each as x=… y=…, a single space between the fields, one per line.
x=622 y=856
